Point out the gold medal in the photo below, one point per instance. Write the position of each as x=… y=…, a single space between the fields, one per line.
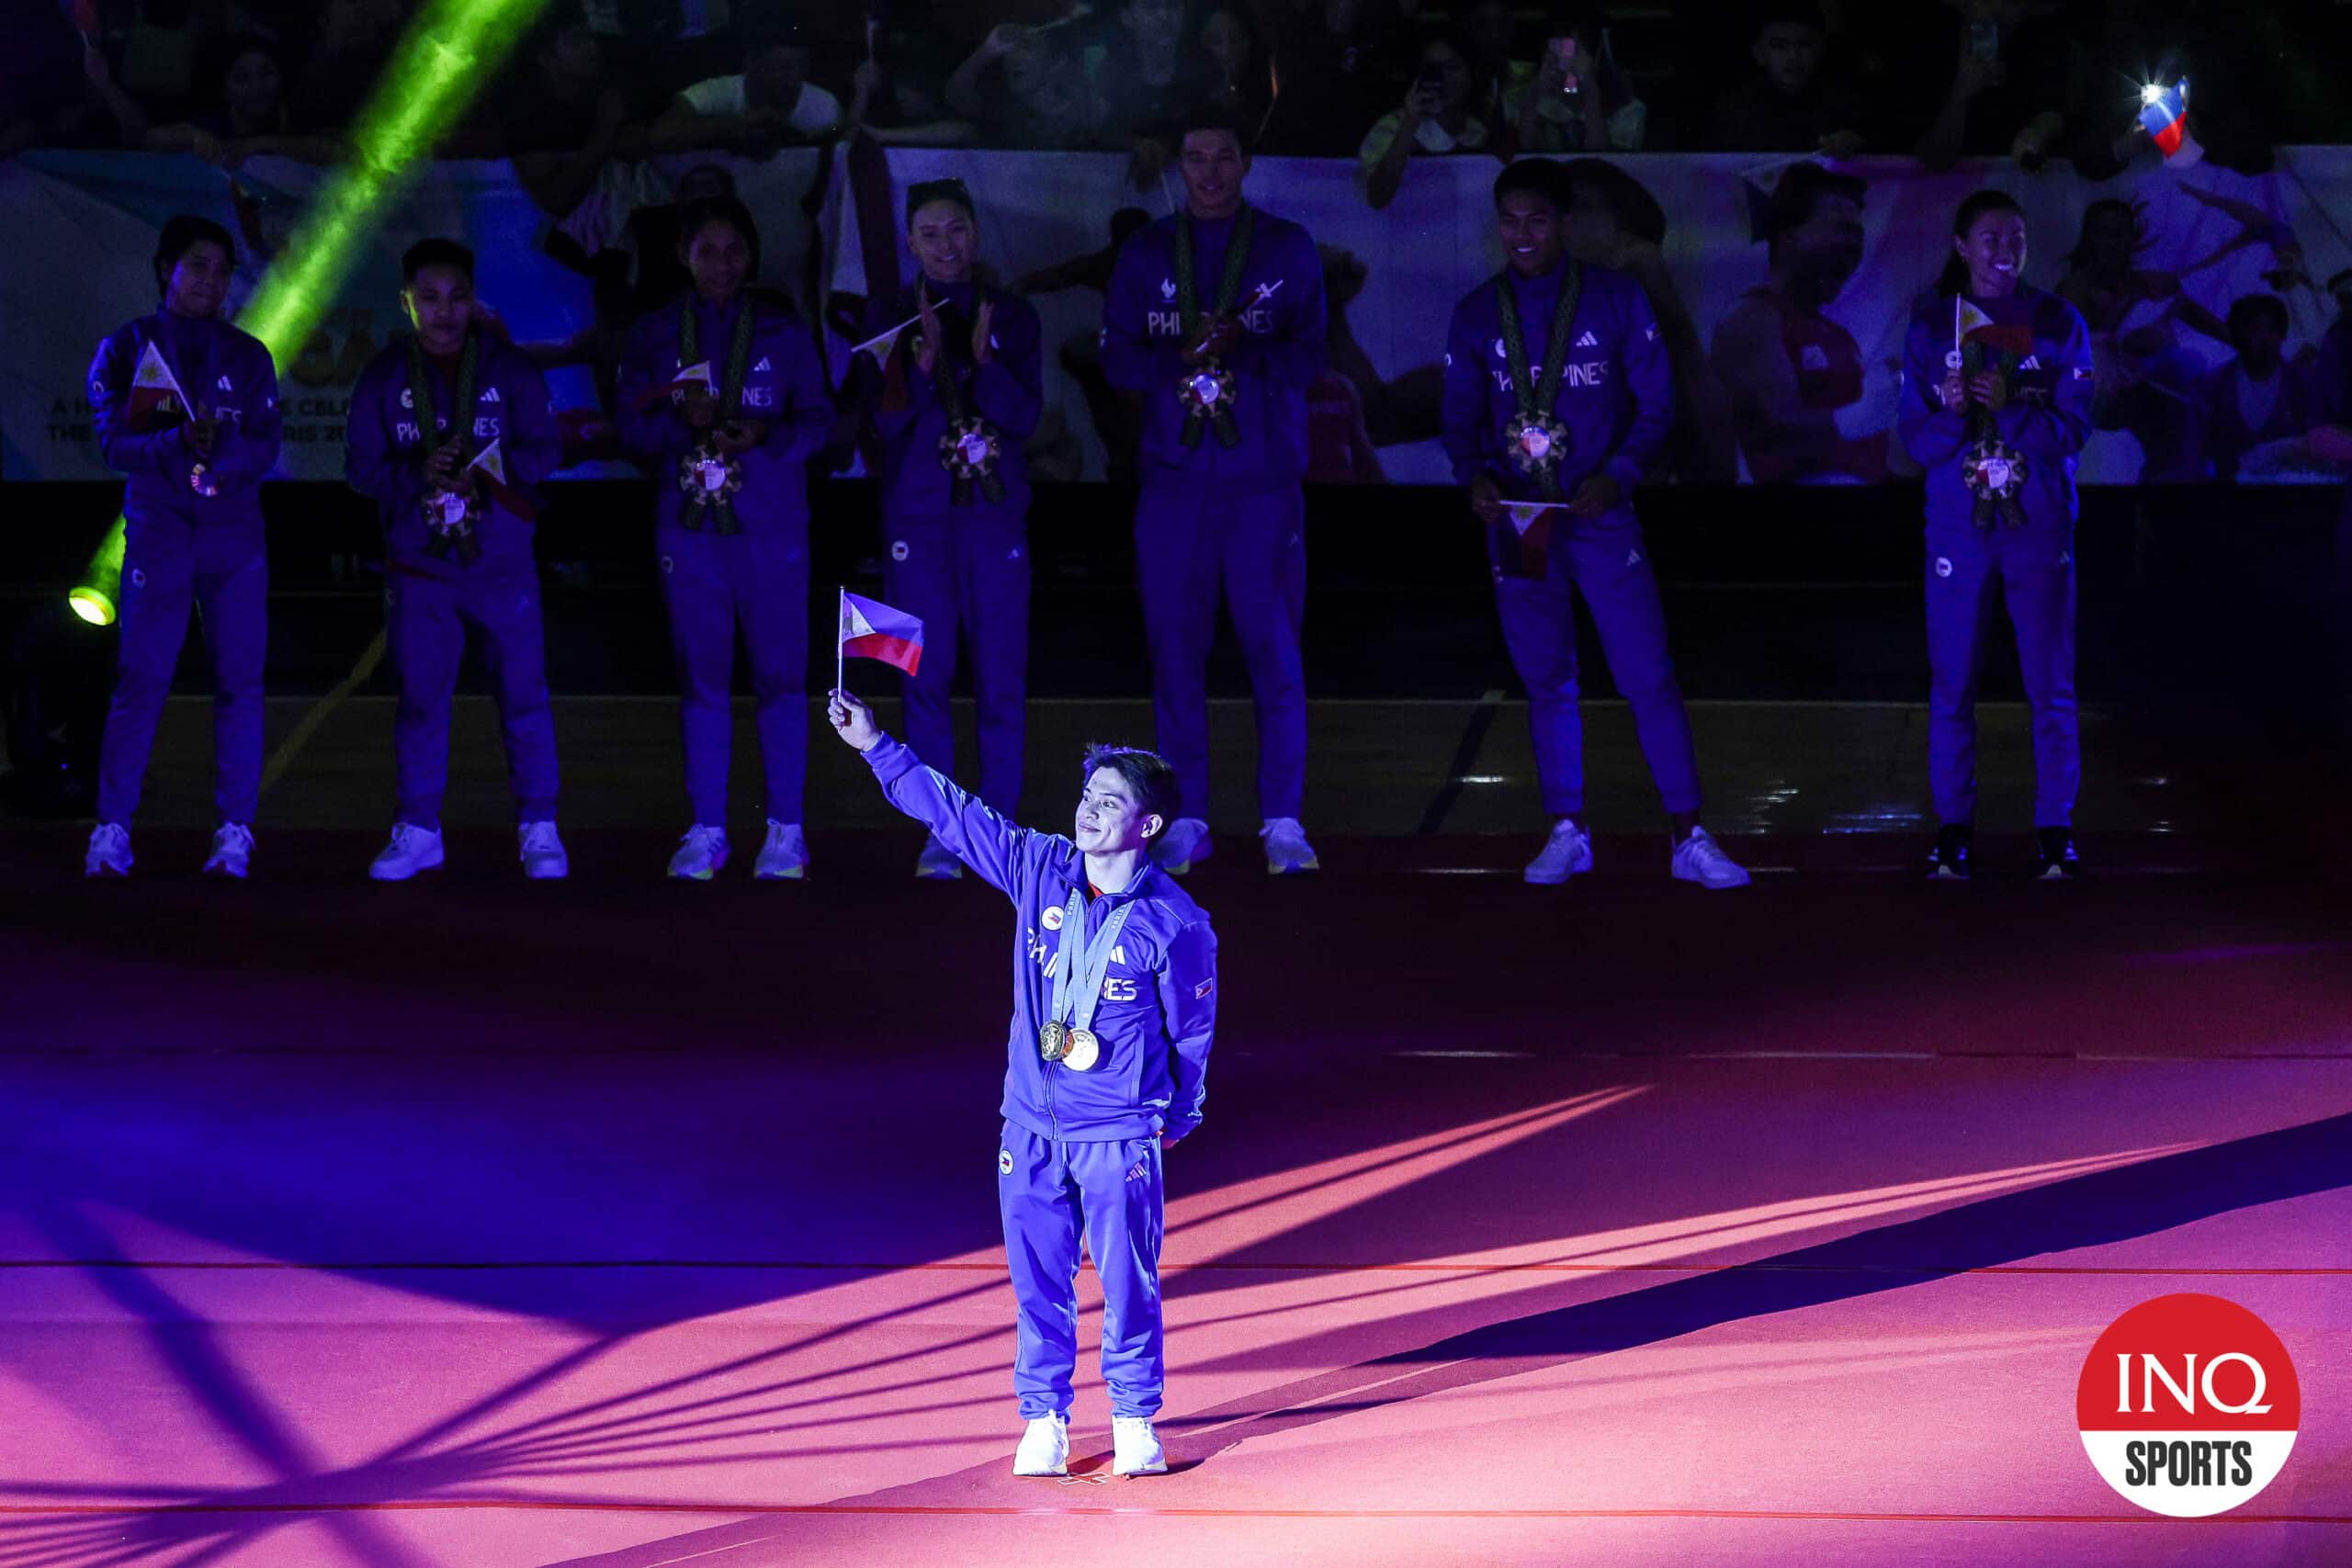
x=1053 y=1040
x=1084 y=1050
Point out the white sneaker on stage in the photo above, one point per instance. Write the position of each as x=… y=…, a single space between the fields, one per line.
x=411 y=849
x=1567 y=853
x=1287 y=850
x=109 y=851
x=543 y=856
x=784 y=857
x=1134 y=1447
x=938 y=862
x=233 y=852
x=1044 y=1448
x=1180 y=845
x=1701 y=860
x=700 y=854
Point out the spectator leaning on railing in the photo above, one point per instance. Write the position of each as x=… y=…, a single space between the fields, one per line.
x=248 y=115
x=768 y=103
x=1791 y=103
x=1575 y=98
x=1339 y=64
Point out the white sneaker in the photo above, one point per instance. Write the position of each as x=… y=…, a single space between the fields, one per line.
x=700 y=854
x=784 y=857
x=1287 y=850
x=411 y=849
x=109 y=851
x=233 y=852
x=1045 y=1447
x=938 y=862
x=543 y=856
x=1134 y=1447
x=1180 y=845
x=1701 y=860
x=1567 y=853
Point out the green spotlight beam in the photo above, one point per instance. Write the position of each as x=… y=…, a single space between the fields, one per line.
x=442 y=61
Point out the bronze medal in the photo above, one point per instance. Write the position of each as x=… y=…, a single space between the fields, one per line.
x=1053 y=1040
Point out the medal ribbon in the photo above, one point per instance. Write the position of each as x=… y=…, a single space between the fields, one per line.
x=1078 y=986
x=945 y=381
x=1229 y=291
x=460 y=423
x=1537 y=401
x=730 y=401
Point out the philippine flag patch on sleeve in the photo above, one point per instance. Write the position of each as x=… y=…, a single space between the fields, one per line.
x=1203 y=989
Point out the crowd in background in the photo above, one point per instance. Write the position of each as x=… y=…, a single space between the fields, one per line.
x=1384 y=81
x=596 y=86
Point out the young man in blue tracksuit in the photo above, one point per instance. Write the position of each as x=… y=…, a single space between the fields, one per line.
x=722 y=397
x=960 y=395
x=449 y=432
x=187 y=409
x=1996 y=404
x=1557 y=391
x=1214 y=319
x=1114 y=1010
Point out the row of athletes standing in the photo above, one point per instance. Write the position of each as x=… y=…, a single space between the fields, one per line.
x=1215 y=321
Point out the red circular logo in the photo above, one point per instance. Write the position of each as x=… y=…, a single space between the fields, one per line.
x=2188 y=1406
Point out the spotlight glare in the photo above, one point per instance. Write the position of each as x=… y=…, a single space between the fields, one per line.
x=92 y=606
x=2151 y=92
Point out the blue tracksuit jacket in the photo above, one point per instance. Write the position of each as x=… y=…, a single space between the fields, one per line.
x=1278 y=357
x=1158 y=1013
x=2047 y=417
x=1008 y=391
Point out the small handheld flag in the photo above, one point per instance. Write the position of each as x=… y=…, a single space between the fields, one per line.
x=2163 y=115
x=494 y=471
x=155 y=392
x=871 y=629
x=1527 y=550
x=880 y=345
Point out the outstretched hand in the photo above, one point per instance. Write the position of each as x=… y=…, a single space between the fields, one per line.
x=852 y=721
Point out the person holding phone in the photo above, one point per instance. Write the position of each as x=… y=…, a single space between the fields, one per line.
x=1436 y=118
x=2006 y=73
x=1575 y=98
x=722 y=395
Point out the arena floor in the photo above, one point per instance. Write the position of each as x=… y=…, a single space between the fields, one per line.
x=615 y=1222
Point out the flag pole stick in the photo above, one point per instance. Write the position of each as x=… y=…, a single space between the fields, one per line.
x=840 y=614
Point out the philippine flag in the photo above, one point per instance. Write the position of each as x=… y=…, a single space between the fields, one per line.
x=155 y=395
x=871 y=629
x=2164 y=114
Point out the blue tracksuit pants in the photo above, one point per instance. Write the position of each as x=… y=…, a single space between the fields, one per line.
x=1188 y=544
x=424 y=624
x=1048 y=1192
x=223 y=572
x=714 y=583
x=1605 y=560
x=2034 y=569
x=966 y=570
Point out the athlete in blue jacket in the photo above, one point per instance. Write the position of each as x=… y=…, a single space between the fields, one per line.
x=1997 y=396
x=1214 y=318
x=187 y=408
x=722 y=397
x=1557 y=390
x=960 y=396
x=1113 y=1008
x=449 y=431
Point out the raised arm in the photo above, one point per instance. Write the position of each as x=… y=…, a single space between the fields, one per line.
x=979 y=837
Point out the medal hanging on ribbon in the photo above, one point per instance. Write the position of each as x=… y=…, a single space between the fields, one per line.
x=451 y=518
x=970 y=449
x=1994 y=471
x=1536 y=439
x=1068 y=1034
x=1206 y=390
x=709 y=476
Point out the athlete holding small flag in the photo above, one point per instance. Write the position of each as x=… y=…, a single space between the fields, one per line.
x=1557 y=397
x=1114 y=1010
x=191 y=508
